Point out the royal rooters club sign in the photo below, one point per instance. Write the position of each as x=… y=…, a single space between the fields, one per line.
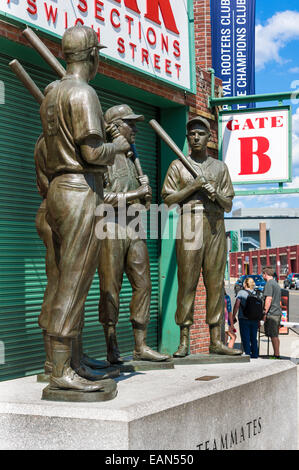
x=151 y=36
x=256 y=145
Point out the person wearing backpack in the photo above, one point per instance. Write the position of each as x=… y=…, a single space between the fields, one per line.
x=272 y=309
x=250 y=309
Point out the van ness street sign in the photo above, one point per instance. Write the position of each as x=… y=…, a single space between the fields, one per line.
x=152 y=36
x=256 y=145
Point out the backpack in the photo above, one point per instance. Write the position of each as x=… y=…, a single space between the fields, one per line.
x=253 y=309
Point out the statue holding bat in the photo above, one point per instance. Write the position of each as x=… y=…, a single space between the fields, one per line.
x=77 y=155
x=123 y=251
x=204 y=184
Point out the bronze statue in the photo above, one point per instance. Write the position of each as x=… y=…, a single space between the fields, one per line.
x=80 y=362
x=127 y=253
x=77 y=157
x=210 y=193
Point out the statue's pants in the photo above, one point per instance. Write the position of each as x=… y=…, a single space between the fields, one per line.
x=210 y=256
x=45 y=233
x=116 y=257
x=71 y=203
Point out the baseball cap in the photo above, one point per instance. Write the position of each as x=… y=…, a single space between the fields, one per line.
x=121 y=111
x=200 y=120
x=79 y=39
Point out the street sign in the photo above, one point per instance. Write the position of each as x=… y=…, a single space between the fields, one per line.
x=153 y=37
x=256 y=145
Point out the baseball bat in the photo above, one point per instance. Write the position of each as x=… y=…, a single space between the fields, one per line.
x=27 y=81
x=112 y=129
x=168 y=140
x=42 y=49
x=139 y=170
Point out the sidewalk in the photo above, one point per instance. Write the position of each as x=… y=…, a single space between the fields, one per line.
x=289 y=349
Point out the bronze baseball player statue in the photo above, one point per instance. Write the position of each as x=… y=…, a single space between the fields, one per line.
x=81 y=363
x=208 y=196
x=77 y=158
x=127 y=253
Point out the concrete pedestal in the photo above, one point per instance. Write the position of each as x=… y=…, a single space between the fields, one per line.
x=236 y=406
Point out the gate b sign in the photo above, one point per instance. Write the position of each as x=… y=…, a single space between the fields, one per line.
x=256 y=145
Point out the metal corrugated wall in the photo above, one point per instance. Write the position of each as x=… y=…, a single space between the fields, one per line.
x=22 y=268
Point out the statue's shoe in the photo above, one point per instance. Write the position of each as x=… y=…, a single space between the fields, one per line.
x=95 y=374
x=93 y=363
x=220 y=348
x=182 y=351
x=70 y=380
x=114 y=358
x=148 y=354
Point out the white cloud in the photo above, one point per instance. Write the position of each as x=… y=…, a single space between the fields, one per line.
x=279 y=205
x=294 y=70
x=280 y=29
x=294 y=183
x=238 y=204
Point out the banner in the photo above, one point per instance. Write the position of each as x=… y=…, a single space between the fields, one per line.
x=233 y=46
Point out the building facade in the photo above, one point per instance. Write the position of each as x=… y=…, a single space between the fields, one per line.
x=250 y=223
x=156 y=93
x=284 y=260
x=263 y=237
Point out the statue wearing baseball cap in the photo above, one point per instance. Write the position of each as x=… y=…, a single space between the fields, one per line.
x=207 y=197
x=123 y=251
x=77 y=158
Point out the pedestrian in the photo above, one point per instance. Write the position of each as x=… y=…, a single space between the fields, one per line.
x=230 y=332
x=272 y=309
x=248 y=328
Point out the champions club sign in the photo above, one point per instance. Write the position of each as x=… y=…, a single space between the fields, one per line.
x=233 y=46
x=151 y=36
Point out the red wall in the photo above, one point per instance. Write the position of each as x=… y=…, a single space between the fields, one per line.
x=291 y=253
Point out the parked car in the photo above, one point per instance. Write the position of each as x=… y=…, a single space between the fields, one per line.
x=258 y=279
x=290 y=281
x=297 y=284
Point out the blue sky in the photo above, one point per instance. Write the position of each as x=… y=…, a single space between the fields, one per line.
x=277 y=69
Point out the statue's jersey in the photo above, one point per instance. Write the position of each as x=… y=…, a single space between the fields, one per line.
x=120 y=178
x=215 y=172
x=70 y=113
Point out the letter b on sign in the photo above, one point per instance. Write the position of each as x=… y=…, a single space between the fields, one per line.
x=253 y=148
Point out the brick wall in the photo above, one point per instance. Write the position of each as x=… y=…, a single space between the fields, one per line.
x=198 y=105
x=199 y=335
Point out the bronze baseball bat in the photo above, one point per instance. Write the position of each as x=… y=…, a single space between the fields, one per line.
x=26 y=80
x=168 y=140
x=139 y=170
x=46 y=54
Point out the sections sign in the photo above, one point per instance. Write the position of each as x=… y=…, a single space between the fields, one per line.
x=152 y=36
x=256 y=144
x=233 y=46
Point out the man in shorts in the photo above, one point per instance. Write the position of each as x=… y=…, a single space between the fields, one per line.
x=272 y=309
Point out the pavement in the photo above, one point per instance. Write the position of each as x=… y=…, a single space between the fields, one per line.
x=289 y=344
x=289 y=349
